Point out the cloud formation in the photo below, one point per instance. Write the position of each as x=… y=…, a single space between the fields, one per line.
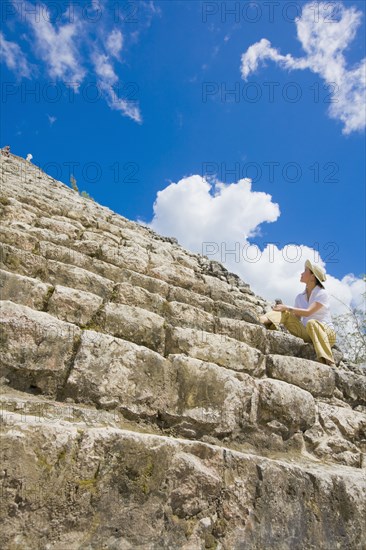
x=108 y=84
x=196 y=211
x=114 y=43
x=58 y=47
x=14 y=58
x=69 y=52
x=219 y=220
x=324 y=42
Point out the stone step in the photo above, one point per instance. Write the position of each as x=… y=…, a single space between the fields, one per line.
x=84 y=273
x=38 y=350
x=43 y=354
x=224 y=351
x=182 y=494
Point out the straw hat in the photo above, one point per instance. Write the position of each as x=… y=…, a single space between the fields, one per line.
x=316 y=270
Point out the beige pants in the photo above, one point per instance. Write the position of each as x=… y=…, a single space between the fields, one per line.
x=322 y=337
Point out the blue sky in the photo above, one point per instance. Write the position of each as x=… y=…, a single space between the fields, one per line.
x=134 y=99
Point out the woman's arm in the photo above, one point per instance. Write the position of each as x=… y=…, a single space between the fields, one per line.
x=315 y=306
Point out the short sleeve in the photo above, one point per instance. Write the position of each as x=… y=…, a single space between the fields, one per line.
x=322 y=297
x=298 y=303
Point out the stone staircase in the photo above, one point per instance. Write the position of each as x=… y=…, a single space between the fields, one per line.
x=141 y=411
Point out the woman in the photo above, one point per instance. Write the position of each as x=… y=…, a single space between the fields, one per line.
x=310 y=319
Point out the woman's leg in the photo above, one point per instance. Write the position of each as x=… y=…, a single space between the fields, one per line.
x=323 y=339
x=293 y=324
x=271 y=319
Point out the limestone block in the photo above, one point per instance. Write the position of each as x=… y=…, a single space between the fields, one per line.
x=286 y=403
x=338 y=449
x=184 y=315
x=211 y=399
x=78 y=278
x=43 y=234
x=89 y=247
x=60 y=225
x=15 y=212
x=144 y=281
x=177 y=275
x=136 y=325
x=102 y=237
x=131 y=256
x=24 y=290
x=314 y=377
x=179 y=294
x=129 y=490
x=184 y=498
x=184 y=257
x=215 y=348
x=353 y=386
x=21 y=261
x=283 y=343
x=70 y=256
x=73 y=306
x=115 y=374
x=342 y=421
x=37 y=348
x=223 y=309
x=126 y=293
x=14 y=236
x=160 y=253
x=267 y=341
x=218 y=289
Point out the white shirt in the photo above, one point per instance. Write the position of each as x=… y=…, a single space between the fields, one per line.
x=319 y=295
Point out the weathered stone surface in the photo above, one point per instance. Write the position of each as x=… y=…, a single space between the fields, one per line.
x=135 y=324
x=178 y=314
x=344 y=429
x=73 y=306
x=267 y=341
x=178 y=294
x=77 y=486
x=59 y=224
x=353 y=386
x=144 y=281
x=37 y=349
x=315 y=378
x=136 y=339
x=211 y=399
x=222 y=350
x=175 y=274
x=75 y=277
x=21 y=239
x=22 y=262
x=24 y=290
x=132 y=295
x=287 y=404
x=115 y=374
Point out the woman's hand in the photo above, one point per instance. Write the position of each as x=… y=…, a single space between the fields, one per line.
x=280 y=307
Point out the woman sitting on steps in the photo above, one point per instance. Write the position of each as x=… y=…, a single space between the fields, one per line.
x=310 y=319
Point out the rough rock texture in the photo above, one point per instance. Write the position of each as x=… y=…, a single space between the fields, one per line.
x=141 y=411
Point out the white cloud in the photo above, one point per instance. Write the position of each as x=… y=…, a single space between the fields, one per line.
x=66 y=49
x=108 y=83
x=58 y=47
x=219 y=221
x=195 y=211
x=324 y=42
x=114 y=43
x=14 y=58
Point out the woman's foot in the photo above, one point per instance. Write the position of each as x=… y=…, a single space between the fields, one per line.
x=327 y=362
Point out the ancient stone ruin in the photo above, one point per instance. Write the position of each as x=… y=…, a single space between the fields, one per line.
x=141 y=411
